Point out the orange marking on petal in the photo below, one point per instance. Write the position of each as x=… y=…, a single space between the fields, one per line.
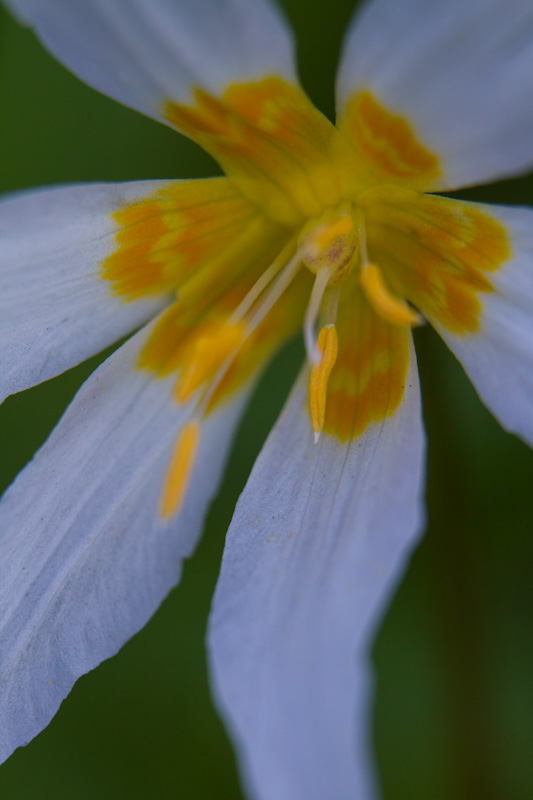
x=367 y=382
x=281 y=152
x=163 y=239
x=162 y=351
x=179 y=470
x=387 y=144
x=438 y=253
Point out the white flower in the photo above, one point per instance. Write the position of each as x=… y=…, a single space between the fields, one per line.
x=316 y=226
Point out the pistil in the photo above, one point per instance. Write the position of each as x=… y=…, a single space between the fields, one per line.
x=312 y=312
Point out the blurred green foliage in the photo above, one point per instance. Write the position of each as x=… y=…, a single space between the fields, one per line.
x=454 y=658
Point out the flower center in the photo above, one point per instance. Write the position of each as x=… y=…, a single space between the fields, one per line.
x=332 y=247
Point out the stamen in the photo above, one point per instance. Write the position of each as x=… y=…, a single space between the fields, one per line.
x=281 y=283
x=392 y=309
x=311 y=313
x=327 y=345
x=214 y=353
x=276 y=290
x=209 y=352
x=268 y=275
x=179 y=470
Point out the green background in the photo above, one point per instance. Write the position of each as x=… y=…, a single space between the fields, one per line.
x=454 y=658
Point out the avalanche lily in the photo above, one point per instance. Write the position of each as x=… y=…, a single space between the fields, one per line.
x=319 y=227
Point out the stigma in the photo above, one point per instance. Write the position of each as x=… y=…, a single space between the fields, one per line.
x=330 y=244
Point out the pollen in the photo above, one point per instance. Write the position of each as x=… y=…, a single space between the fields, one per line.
x=327 y=346
x=179 y=470
x=210 y=352
x=392 y=309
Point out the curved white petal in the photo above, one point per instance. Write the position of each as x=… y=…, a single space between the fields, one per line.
x=498 y=357
x=460 y=71
x=317 y=544
x=145 y=52
x=55 y=310
x=85 y=559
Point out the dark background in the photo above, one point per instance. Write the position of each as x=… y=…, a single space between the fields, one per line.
x=454 y=658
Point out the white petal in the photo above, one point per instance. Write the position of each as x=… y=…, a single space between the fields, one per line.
x=461 y=71
x=498 y=357
x=317 y=544
x=85 y=560
x=145 y=52
x=55 y=310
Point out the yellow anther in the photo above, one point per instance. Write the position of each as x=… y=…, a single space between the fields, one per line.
x=326 y=233
x=392 y=309
x=179 y=470
x=327 y=345
x=208 y=355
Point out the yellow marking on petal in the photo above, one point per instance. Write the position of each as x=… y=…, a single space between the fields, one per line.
x=327 y=345
x=209 y=354
x=281 y=152
x=179 y=470
x=436 y=252
x=387 y=144
x=165 y=239
x=204 y=242
x=392 y=309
